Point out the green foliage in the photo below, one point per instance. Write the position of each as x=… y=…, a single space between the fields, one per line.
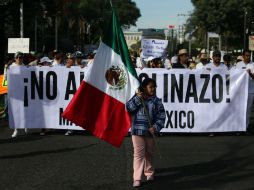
x=79 y=21
x=225 y=17
x=136 y=46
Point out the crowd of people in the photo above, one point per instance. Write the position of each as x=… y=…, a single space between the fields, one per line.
x=52 y=59
x=143 y=126
x=179 y=61
x=182 y=56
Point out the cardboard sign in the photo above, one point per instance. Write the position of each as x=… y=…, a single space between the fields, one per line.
x=18 y=44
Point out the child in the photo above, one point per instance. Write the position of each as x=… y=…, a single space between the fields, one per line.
x=145 y=123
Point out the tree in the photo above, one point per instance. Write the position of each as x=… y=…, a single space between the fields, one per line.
x=80 y=21
x=225 y=17
x=136 y=47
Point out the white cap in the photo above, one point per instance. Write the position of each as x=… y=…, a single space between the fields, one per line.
x=203 y=51
x=150 y=58
x=240 y=58
x=45 y=59
x=174 y=60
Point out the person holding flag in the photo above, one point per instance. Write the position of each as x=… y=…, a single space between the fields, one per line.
x=149 y=116
x=99 y=103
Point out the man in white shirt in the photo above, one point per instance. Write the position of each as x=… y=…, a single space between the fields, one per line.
x=248 y=65
x=216 y=64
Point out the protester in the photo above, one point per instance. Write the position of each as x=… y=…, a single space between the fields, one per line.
x=133 y=61
x=148 y=119
x=158 y=63
x=6 y=66
x=150 y=62
x=58 y=60
x=216 y=64
x=36 y=61
x=182 y=60
x=91 y=58
x=204 y=59
x=248 y=65
x=167 y=63
x=140 y=63
x=18 y=62
x=227 y=61
x=201 y=54
x=45 y=61
x=78 y=59
x=70 y=61
x=192 y=64
x=239 y=59
x=174 y=60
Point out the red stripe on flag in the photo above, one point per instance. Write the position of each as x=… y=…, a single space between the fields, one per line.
x=99 y=113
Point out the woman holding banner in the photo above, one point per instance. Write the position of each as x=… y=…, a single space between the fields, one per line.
x=148 y=119
x=18 y=62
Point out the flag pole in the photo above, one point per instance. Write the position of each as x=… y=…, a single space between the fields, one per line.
x=150 y=126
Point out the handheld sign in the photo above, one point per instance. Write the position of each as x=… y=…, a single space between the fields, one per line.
x=18 y=44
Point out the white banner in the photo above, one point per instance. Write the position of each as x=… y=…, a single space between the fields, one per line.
x=154 y=48
x=202 y=101
x=195 y=101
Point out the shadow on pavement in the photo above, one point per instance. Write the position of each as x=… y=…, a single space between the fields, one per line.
x=215 y=174
x=23 y=138
x=38 y=153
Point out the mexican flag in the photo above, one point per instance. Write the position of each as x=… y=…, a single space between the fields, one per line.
x=99 y=104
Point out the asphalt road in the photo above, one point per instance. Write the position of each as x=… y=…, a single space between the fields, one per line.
x=189 y=162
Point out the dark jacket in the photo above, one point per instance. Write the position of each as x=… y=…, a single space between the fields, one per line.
x=178 y=66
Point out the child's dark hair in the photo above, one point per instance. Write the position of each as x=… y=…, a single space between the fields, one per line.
x=147 y=81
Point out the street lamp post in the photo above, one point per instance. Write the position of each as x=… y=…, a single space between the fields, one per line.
x=190 y=37
x=171 y=27
x=35 y=33
x=56 y=32
x=21 y=20
x=245 y=28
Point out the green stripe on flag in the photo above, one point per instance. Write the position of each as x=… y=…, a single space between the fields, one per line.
x=114 y=38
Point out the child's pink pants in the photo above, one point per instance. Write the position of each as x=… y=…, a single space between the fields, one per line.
x=142 y=157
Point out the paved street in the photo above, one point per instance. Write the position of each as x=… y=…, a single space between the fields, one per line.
x=84 y=162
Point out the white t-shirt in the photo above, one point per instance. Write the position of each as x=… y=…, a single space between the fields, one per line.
x=200 y=65
x=140 y=63
x=14 y=64
x=211 y=66
x=57 y=64
x=250 y=65
x=167 y=64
